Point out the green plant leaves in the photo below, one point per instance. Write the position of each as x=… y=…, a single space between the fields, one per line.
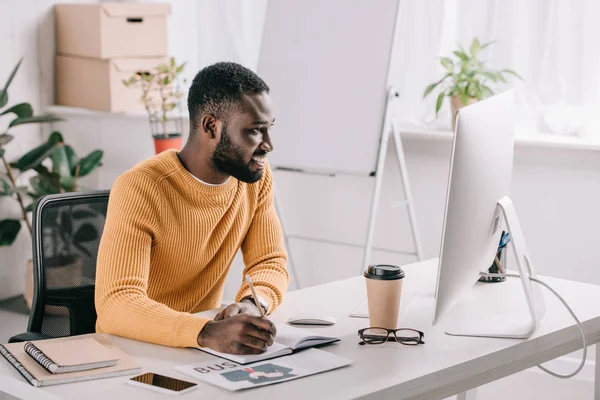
x=34 y=157
x=492 y=76
x=45 y=184
x=5 y=138
x=463 y=56
x=464 y=98
x=90 y=162
x=447 y=63
x=429 y=89
x=21 y=110
x=510 y=71
x=38 y=119
x=470 y=77
x=486 y=91
x=439 y=102
x=86 y=233
x=1 y=152
x=4 y=93
x=72 y=159
x=61 y=167
x=9 y=229
x=55 y=138
x=475 y=47
x=483 y=46
x=9 y=190
x=79 y=214
x=5 y=187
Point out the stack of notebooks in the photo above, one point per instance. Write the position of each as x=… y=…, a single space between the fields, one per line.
x=68 y=359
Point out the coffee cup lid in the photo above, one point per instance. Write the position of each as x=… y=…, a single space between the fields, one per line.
x=384 y=272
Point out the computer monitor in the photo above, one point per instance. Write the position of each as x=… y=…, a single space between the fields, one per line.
x=477 y=210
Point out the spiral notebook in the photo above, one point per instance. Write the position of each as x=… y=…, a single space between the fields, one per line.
x=75 y=355
x=38 y=376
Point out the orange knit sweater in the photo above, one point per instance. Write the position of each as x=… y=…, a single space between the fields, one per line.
x=168 y=244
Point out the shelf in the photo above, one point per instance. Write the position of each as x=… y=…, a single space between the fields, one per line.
x=84 y=112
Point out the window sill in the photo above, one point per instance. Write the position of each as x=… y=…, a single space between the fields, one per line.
x=538 y=140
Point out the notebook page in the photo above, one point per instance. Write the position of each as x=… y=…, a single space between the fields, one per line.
x=295 y=337
x=276 y=350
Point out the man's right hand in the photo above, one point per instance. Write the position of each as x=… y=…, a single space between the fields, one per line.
x=239 y=334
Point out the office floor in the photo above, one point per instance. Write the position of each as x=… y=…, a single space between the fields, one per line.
x=522 y=386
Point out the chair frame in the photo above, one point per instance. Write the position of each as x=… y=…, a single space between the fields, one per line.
x=37 y=308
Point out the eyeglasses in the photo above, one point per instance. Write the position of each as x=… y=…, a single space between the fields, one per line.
x=407 y=336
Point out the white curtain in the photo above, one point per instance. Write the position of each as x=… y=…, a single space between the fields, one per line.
x=553 y=44
x=230 y=30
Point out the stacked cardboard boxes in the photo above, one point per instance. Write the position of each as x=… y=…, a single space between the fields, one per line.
x=100 y=45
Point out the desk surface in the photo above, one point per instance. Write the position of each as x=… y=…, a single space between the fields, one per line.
x=444 y=366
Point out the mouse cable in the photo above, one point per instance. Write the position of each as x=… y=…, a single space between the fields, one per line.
x=583 y=335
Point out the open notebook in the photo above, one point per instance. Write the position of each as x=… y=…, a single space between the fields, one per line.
x=287 y=341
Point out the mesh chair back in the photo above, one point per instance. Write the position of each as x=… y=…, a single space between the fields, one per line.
x=66 y=234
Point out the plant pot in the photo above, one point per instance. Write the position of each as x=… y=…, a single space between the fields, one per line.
x=455 y=104
x=60 y=272
x=162 y=143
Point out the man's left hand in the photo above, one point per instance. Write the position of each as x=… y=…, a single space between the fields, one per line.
x=243 y=307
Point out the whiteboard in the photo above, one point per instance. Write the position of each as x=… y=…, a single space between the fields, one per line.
x=327 y=64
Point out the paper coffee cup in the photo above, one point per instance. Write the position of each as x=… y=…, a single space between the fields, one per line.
x=384 y=289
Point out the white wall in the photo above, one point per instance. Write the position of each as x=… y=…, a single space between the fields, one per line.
x=556 y=193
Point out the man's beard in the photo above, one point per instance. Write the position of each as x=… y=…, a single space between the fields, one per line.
x=229 y=159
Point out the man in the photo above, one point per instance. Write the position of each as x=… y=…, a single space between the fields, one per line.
x=176 y=221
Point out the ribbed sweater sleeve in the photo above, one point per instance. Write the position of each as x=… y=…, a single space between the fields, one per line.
x=264 y=252
x=123 y=306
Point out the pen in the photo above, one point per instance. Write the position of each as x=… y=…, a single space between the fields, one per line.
x=254 y=296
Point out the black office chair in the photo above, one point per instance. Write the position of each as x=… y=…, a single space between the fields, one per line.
x=67 y=229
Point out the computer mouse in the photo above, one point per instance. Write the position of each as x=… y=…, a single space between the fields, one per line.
x=311 y=319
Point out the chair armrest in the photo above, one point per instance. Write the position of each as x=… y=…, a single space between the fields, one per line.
x=28 y=337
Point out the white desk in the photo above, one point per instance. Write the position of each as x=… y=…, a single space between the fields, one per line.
x=444 y=366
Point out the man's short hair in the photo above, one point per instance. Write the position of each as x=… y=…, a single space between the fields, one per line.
x=218 y=90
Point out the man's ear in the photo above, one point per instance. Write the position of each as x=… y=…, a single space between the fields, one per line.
x=210 y=125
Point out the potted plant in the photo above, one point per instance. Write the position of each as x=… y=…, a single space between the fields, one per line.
x=56 y=169
x=60 y=175
x=22 y=114
x=160 y=96
x=466 y=78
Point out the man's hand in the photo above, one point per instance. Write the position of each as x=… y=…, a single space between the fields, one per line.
x=239 y=334
x=244 y=307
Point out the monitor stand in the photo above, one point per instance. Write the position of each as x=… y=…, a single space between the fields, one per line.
x=494 y=310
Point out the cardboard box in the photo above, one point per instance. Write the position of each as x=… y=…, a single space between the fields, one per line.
x=98 y=84
x=112 y=30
